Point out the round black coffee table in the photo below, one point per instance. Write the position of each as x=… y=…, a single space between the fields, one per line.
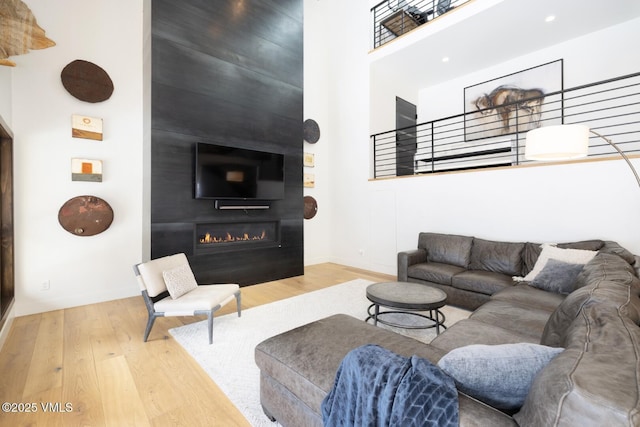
x=407 y=298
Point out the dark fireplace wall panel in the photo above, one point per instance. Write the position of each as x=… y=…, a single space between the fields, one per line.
x=244 y=266
x=172 y=181
x=192 y=113
x=266 y=37
x=232 y=84
x=258 y=267
x=226 y=72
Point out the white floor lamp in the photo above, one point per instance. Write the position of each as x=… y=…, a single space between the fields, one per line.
x=564 y=142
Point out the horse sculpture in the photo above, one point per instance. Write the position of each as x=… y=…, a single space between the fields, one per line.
x=504 y=100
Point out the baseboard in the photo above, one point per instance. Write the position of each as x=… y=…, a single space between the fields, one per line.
x=5 y=326
x=68 y=301
x=316 y=261
x=365 y=264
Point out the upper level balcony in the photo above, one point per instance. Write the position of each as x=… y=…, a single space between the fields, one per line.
x=437 y=54
x=393 y=18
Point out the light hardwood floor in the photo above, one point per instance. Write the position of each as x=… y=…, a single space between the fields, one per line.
x=93 y=359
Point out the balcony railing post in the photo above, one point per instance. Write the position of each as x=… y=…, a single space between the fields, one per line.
x=517 y=136
x=433 y=148
x=375 y=163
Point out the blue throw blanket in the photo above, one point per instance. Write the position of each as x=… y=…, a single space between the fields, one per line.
x=376 y=387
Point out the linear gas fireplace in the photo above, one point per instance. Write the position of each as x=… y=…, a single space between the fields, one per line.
x=211 y=237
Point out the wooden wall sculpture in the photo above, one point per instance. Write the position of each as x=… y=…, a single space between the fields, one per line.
x=19 y=31
x=85 y=215
x=86 y=81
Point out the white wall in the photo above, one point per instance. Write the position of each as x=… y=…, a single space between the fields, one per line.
x=5 y=94
x=597 y=56
x=383 y=91
x=81 y=270
x=372 y=220
x=348 y=92
x=395 y=68
x=317 y=107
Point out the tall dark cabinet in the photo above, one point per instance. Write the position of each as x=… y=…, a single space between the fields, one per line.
x=229 y=73
x=7 y=293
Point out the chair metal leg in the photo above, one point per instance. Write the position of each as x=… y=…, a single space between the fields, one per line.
x=149 y=325
x=238 y=303
x=210 y=323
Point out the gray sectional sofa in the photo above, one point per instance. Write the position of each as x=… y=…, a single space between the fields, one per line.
x=591 y=323
x=469 y=270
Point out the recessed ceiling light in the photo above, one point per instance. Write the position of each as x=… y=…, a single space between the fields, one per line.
x=445 y=59
x=550 y=18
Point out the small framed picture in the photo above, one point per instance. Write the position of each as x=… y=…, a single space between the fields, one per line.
x=86 y=170
x=308 y=160
x=309 y=180
x=86 y=127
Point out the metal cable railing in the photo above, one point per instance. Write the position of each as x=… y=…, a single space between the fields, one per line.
x=495 y=137
x=393 y=18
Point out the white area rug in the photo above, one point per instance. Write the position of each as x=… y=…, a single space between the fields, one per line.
x=229 y=361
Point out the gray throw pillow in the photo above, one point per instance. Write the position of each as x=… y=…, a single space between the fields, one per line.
x=557 y=276
x=499 y=375
x=550 y=251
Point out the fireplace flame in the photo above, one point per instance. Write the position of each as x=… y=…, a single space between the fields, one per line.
x=228 y=237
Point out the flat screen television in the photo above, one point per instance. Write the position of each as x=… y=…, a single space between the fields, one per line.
x=231 y=173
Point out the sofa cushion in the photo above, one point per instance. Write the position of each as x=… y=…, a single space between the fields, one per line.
x=434 y=272
x=521 y=319
x=530 y=255
x=609 y=281
x=615 y=268
x=614 y=248
x=468 y=331
x=576 y=256
x=595 y=381
x=481 y=281
x=555 y=330
x=499 y=257
x=500 y=375
x=557 y=276
x=585 y=245
x=476 y=413
x=446 y=248
x=524 y=295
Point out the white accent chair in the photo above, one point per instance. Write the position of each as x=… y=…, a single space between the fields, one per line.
x=191 y=300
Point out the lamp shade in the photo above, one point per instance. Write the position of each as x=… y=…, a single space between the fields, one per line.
x=561 y=142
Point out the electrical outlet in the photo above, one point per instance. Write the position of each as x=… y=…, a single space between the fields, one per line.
x=44 y=286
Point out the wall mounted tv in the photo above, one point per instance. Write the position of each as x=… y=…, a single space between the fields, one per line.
x=231 y=173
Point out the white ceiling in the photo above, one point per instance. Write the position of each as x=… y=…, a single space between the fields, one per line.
x=483 y=33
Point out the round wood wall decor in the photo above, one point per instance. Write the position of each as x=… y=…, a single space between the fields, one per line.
x=310 y=207
x=85 y=215
x=86 y=81
x=311 y=131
